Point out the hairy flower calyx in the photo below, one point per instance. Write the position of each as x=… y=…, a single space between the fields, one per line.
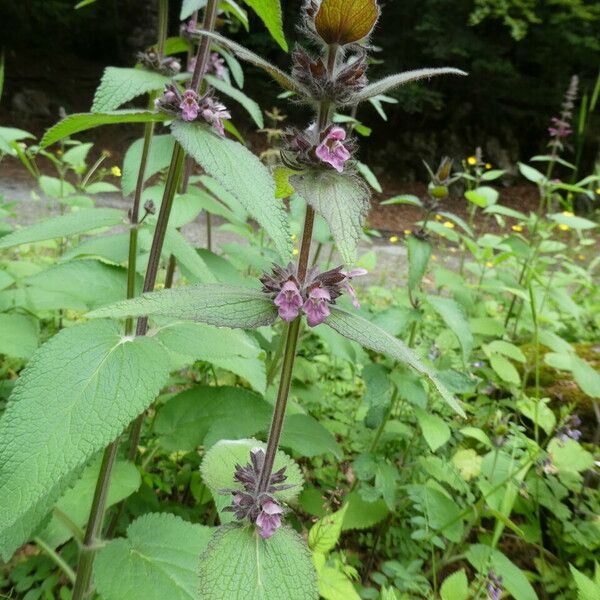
x=314 y=296
x=150 y=60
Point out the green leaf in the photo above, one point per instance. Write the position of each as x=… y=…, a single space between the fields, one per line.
x=455 y=586
x=377 y=394
x=77 y=501
x=250 y=105
x=325 y=533
x=20 y=335
x=361 y=514
x=454 y=316
x=419 y=252
x=538 y=410
x=78 y=393
x=78 y=122
x=270 y=13
x=239 y=565
x=374 y=338
x=572 y=221
x=403 y=199
x=335 y=585
x=11 y=134
x=157 y=560
x=189 y=6
x=586 y=588
x=505 y=348
x=531 y=174
x=505 y=369
x=570 y=456
x=587 y=378
x=369 y=176
x=440 y=510
x=393 y=81
x=482 y=196
x=177 y=245
x=214 y=304
x=119 y=86
x=342 y=200
x=64 y=226
x=242 y=174
x=283 y=79
x=307 y=437
x=484 y=558
x=346 y=21
x=468 y=463
x=159 y=158
x=435 y=430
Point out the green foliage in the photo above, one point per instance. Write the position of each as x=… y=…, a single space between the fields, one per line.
x=158 y=159
x=270 y=13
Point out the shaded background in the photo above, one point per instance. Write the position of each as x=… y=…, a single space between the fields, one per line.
x=520 y=55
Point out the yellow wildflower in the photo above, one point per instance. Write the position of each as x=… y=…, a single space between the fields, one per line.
x=449 y=224
x=294 y=237
x=295 y=251
x=472 y=160
x=517 y=228
x=407 y=232
x=563 y=227
x=434 y=257
x=489 y=264
x=393 y=239
x=598 y=191
x=581 y=256
x=438 y=217
x=59 y=152
x=568 y=213
x=115 y=171
x=488 y=166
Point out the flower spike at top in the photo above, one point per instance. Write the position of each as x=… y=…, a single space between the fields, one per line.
x=332 y=150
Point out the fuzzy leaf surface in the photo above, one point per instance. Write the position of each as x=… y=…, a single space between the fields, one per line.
x=374 y=338
x=214 y=304
x=64 y=226
x=342 y=200
x=119 y=85
x=157 y=560
x=393 y=81
x=78 y=122
x=20 y=335
x=77 y=394
x=238 y=564
x=242 y=174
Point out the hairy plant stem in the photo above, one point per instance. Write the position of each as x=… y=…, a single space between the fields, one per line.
x=88 y=550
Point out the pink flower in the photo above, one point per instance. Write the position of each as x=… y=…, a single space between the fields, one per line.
x=191 y=25
x=289 y=301
x=332 y=151
x=214 y=113
x=269 y=519
x=218 y=65
x=346 y=284
x=189 y=105
x=317 y=307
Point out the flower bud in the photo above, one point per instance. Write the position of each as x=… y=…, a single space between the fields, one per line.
x=342 y=22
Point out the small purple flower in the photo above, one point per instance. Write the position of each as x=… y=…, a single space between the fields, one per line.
x=332 y=150
x=217 y=64
x=349 y=276
x=561 y=128
x=191 y=25
x=289 y=301
x=189 y=105
x=269 y=519
x=493 y=586
x=316 y=306
x=215 y=113
x=568 y=430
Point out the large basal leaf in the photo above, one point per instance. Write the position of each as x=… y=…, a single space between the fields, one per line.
x=250 y=105
x=77 y=501
x=214 y=304
x=388 y=83
x=159 y=158
x=345 y=21
x=158 y=560
x=270 y=13
x=342 y=200
x=283 y=79
x=242 y=174
x=119 y=85
x=77 y=394
x=20 y=335
x=239 y=565
x=64 y=226
x=374 y=338
x=78 y=122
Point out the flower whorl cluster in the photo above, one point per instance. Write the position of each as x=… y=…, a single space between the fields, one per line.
x=168 y=66
x=261 y=508
x=561 y=125
x=191 y=107
x=313 y=296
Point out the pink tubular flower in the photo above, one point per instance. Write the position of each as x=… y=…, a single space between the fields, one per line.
x=332 y=150
x=316 y=307
x=289 y=301
x=215 y=113
x=189 y=105
x=269 y=519
x=349 y=276
x=217 y=64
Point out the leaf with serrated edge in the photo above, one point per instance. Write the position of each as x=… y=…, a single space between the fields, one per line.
x=78 y=122
x=392 y=81
x=158 y=560
x=283 y=79
x=342 y=200
x=77 y=394
x=242 y=174
x=325 y=533
x=238 y=564
x=64 y=226
x=374 y=338
x=213 y=304
x=119 y=85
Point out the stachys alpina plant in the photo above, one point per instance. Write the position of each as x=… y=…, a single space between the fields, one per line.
x=109 y=378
